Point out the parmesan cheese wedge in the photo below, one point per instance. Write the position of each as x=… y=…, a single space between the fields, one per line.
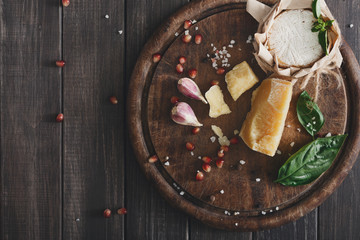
x=264 y=124
x=291 y=40
x=216 y=101
x=240 y=79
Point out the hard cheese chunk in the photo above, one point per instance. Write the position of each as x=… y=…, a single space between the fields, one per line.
x=216 y=101
x=240 y=79
x=264 y=124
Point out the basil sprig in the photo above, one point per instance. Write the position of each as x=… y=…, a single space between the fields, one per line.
x=321 y=26
x=316 y=157
x=310 y=161
x=309 y=114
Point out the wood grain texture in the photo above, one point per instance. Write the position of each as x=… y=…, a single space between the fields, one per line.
x=339 y=216
x=150 y=217
x=292 y=207
x=30 y=137
x=93 y=127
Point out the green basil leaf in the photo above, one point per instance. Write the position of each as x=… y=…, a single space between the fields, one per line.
x=316 y=8
x=310 y=161
x=329 y=24
x=323 y=41
x=309 y=114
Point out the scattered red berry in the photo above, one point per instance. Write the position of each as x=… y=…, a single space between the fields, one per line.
x=206 y=159
x=174 y=99
x=156 y=57
x=121 y=211
x=198 y=38
x=195 y=130
x=192 y=73
x=153 y=159
x=190 y=146
x=206 y=167
x=187 y=24
x=65 y=3
x=182 y=60
x=214 y=82
x=199 y=176
x=220 y=71
x=186 y=38
x=234 y=140
x=113 y=100
x=179 y=68
x=221 y=154
x=219 y=163
x=107 y=213
x=60 y=63
x=224 y=148
x=60 y=117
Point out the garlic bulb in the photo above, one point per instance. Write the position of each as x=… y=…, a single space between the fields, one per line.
x=183 y=114
x=189 y=88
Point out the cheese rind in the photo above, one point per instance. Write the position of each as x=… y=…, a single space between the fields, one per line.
x=216 y=101
x=264 y=124
x=240 y=79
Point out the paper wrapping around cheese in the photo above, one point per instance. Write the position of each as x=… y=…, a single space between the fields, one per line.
x=240 y=79
x=216 y=101
x=266 y=15
x=264 y=124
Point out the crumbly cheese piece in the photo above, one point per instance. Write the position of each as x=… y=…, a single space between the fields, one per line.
x=217 y=130
x=240 y=79
x=223 y=140
x=216 y=101
x=264 y=124
x=291 y=40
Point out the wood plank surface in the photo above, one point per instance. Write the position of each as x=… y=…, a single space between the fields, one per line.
x=93 y=127
x=95 y=168
x=339 y=216
x=30 y=137
x=150 y=217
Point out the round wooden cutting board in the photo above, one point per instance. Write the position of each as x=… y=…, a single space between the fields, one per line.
x=241 y=202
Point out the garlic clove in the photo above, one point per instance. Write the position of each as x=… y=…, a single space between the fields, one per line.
x=183 y=114
x=190 y=89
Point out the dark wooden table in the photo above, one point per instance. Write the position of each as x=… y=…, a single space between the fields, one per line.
x=57 y=178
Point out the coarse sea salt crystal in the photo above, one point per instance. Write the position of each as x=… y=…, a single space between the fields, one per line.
x=192 y=153
x=292 y=144
x=196 y=28
x=232 y=42
x=263 y=212
x=199 y=157
x=176 y=34
x=230 y=46
x=187 y=32
x=277 y=208
x=298 y=129
x=258 y=179
x=222 y=191
x=236 y=132
x=242 y=162
x=328 y=135
x=167 y=164
x=107 y=16
x=213 y=139
x=236 y=224
x=167 y=158
x=278 y=152
x=182 y=193
x=120 y=32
